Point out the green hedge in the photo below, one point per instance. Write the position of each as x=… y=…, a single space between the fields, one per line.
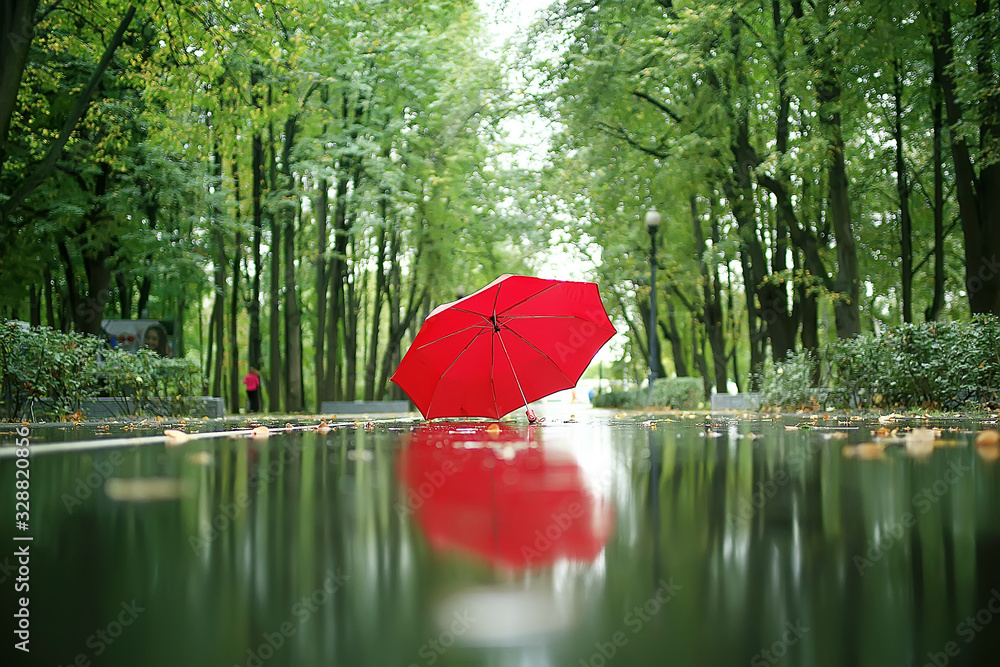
x=678 y=393
x=789 y=383
x=933 y=365
x=43 y=371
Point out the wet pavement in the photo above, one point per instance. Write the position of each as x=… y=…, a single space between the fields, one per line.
x=591 y=539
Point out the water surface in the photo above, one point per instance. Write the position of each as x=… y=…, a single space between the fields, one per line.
x=590 y=539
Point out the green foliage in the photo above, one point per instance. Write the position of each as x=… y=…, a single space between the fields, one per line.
x=40 y=363
x=55 y=372
x=789 y=383
x=147 y=383
x=933 y=365
x=946 y=365
x=677 y=393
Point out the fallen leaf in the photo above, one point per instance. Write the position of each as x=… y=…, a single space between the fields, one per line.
x=987 y=438
x=140 y=489
x=920 y=441
x=868 y=451
x=988 y=453
x=260 y=433
x=175 y=437
x=199 y=458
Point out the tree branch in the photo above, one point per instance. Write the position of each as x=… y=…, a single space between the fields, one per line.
x=658 y=104
x=43 y=168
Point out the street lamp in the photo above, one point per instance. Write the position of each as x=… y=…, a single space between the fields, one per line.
x=653 y=218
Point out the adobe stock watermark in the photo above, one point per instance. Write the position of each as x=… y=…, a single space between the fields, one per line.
x=635 y=620
x=968 y=629
x=433 y=480
x=791 y=635
x=271 y=642
x=987 y=271
x=580 y=334
x=767 y=490
x=85 y=486
x=549 y=537
x=103 y=637
x=209 y=531
x=432 y=649
x=923 y=501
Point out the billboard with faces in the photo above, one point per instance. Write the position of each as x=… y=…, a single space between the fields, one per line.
x=133 y=335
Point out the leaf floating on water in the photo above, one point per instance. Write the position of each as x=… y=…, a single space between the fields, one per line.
x=988 y=438
x=868 y=451
x=199 y=458
x=143 y=489
x=493 y=428
x=988 y=445
x=175 y=437
x=260 y=433
x=920 y=441
x=988 y=453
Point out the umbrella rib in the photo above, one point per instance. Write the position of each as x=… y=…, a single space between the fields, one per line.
x=455 y=360
x=524 y=300
x=539 y=351
x=546 y=317
x=511 y=364
x=453 y=333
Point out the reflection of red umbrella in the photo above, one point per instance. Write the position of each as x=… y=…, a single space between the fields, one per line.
x=515 y=341
x=481 y=489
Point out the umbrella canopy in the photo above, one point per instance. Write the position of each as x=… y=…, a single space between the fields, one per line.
x=514 y=341
x=483 y=490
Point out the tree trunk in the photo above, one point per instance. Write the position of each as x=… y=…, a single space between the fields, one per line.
x=393 y=354
x=322 y=241
x=254 y=345
x=903 y=191
x=49 y=309
x=34 y=305
x=235 y=394
x=847 y=282
x=20 y=38
x=275 y=371
x=937 y=304
x=17 y=25
x=676 y=344
x=219 y=275
x=293 y=315
x=89 y=313
x=400 y=322
x=338 y=269
x=124 y=295
x=978 y=196
x=352 y=310
x=698 y=348
x=377 y=299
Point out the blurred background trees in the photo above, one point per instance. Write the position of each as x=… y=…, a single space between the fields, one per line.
x=297 y=185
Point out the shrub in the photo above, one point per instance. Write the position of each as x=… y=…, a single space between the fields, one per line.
x=682 y=393
x=945 y=365
x=63 y=370
x=789 y=383
x=40 y=362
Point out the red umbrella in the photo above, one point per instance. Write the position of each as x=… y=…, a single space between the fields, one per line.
x=515 y=341
x=483 y=490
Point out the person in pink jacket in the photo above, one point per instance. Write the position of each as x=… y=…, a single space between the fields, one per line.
x=252 y=382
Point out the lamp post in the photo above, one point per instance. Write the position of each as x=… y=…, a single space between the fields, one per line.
x=653 y=218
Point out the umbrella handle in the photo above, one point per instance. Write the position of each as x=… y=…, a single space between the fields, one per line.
x=532 y=418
